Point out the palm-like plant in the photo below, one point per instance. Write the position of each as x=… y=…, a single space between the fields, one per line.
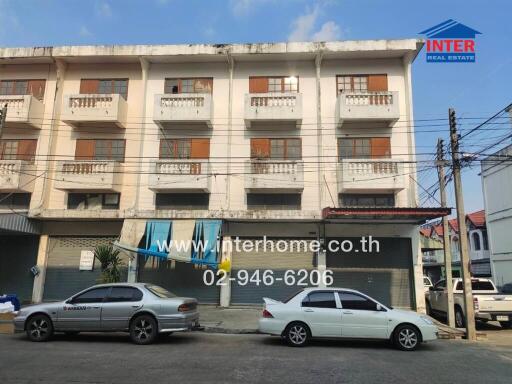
x=110 y=263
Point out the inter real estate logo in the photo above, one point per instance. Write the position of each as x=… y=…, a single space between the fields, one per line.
x=450 y=42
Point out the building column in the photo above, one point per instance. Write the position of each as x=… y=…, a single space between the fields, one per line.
x=419 y=290
x=225 y=290
x=133 y=265
x=42 y=260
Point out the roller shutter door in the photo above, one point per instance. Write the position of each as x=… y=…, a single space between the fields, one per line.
x=386 y=275
x=183 y=279
x=279 y=262
x=63 y=277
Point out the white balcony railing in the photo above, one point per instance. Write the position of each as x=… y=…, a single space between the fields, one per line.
x=89 y=175
x=370 y=175
x=268 y=175
x=180 y=175
x=104 y=110
x=23 y=110
x=368 y=106
x=273 y=107
x=16 y=176
x=183 y=108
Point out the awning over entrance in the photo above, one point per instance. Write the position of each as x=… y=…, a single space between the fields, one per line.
x=12 y=222
x=384 y=215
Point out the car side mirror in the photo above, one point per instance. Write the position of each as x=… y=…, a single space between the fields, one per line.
x=69 y=301
x=380 y=308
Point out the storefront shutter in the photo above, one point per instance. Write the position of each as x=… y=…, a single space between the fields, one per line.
x=200 y=149
x=260 y=148
x=258 y=85
x=377 y=83
x=27 y=149
x=380 y=147
x=89 y=86
x=84 y=149
x=36 y=88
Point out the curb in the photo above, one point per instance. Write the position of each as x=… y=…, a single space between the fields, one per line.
x=243 y=331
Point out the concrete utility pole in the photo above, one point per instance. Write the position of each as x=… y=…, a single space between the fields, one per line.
x=461 y=219
x=446 y=238
x=3 y=116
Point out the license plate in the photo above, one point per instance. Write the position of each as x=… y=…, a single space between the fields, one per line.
x=502 y=318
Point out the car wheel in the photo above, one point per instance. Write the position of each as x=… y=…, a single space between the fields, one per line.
x=297 y=334
x=39 y=328
x=506 y=324
x=460 y=322
x=143 y=329
x=406 y=337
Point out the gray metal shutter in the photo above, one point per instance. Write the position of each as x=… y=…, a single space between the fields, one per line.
x=17 y=255
x=183 y=279
x=278 y=262
x=63 y=277
x=386 y=275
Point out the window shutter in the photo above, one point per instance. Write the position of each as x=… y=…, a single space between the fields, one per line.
x=377 y=83
x=203 y=85
x=88 y=86
x=200 y=149
x=84 y=149
x=258 y=85
x=36 y=88
x=381 y=147
x=27 y=149
x=260 y=148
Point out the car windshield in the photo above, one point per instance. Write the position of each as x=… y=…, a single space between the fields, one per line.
x=160 y=292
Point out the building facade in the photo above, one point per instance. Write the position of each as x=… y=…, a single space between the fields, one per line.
x=262 y=137
x=496 y=182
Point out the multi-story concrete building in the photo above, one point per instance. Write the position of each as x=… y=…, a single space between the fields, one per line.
x=289 y=140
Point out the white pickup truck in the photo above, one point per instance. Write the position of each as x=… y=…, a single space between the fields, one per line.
x=489 y=304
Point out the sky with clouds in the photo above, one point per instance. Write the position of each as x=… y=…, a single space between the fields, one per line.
x=474 y=90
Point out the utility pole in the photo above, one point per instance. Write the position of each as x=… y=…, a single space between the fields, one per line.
x=3 y=116
x=463 y=238
x=446 y=237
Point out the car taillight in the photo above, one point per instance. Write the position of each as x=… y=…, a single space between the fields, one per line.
x=267 y=314
x=475 y=303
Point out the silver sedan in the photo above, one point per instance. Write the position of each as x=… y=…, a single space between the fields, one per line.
x=143 y=310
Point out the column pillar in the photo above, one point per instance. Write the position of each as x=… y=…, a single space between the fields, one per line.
x=225 y=290
x=42 y=260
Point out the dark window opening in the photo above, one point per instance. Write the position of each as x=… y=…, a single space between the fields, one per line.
x=189 y=85
x=121 y=294
x=96 y=295
x=182 y=200
x=357 y=200
x=15 y=200
x=274 y=201
x=23 y=87
x=357 y=302
x=476 y=285
x=93 y=201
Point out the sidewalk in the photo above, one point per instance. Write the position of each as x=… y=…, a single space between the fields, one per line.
x=241 y=319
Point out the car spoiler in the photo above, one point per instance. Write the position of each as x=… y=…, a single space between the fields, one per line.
x=270 y=301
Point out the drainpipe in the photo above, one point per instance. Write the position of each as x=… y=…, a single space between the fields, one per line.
x=318 y=64
x=144 y=65
x=60 y=73
x=231 y=67
x=413 y=194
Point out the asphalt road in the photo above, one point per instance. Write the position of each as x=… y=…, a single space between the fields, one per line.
x=217 y=358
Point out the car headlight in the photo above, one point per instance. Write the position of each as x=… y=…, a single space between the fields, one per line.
x=426 y=320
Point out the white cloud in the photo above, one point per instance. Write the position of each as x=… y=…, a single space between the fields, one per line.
x=303 y=27
x=103 y=9
x=84 y=31
x=328 y=32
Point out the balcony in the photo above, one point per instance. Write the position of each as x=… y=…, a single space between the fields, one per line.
x=90 y=176
x=173 y=109
x=23 y=111
x=368 y=107
x=273 y=108
x=180 y=175
x=366 y=175
x=16 y=176
x=274 y=175
x=104 y=111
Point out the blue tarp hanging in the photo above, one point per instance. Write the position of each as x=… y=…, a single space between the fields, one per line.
x=157 y=234
x=211 y=230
